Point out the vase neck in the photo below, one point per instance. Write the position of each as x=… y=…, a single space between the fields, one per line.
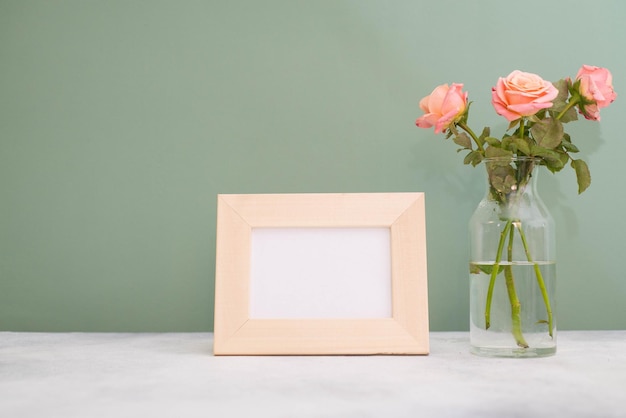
x=511 y=181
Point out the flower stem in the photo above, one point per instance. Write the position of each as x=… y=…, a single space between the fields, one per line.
x=494 y=273
x=516 y=306
x=540 y=281
x=472 y=134
x=573 y=102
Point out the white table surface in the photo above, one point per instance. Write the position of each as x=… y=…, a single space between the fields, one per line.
x=176 y=375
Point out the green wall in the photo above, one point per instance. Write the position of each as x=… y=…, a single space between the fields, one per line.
x=121 y=120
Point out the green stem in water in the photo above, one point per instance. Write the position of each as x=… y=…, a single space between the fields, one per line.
x=540 y=281
x=516 y=306
x=494 y=273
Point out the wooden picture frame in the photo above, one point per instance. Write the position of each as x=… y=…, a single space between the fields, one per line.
x=404 y=332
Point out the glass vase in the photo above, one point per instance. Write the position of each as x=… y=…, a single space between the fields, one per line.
x=512 y=265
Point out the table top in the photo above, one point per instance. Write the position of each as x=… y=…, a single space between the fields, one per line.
x=176 y=375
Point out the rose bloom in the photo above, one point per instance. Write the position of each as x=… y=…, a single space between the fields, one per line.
x=596 y=86
x=522 y=94
x=442 y=107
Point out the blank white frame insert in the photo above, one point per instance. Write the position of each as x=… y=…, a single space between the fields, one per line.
x=313 y=273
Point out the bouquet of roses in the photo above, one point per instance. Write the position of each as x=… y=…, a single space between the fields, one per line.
x=537 y=111
x=536 y=107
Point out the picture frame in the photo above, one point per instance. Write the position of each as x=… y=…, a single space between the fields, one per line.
x=404 y=330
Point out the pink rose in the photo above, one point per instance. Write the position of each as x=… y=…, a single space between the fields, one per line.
x=596 y=87
x=522 y=94
x=442 y=107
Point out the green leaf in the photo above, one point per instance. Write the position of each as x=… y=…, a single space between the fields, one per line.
x=513 y=124
x=484 y=268
x=544 y=153
x=492 y=152
x=552 y=158
x=515 y=144
x=557 y=165
x=474 y=158
x=567 y=144
x=560 y=102
x=523 y=145
x=502 y=178
x=570 y=115
x=564 y=157
x=463 y=140
x=483 y=135
x=494 y=142
x=583 y=176
x=507 y=144
x=548 y=133
x=452 y=131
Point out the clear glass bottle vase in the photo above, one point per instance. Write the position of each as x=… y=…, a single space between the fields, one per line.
x=512 y=265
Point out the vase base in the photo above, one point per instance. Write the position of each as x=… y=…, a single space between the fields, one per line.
x=513 y=352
